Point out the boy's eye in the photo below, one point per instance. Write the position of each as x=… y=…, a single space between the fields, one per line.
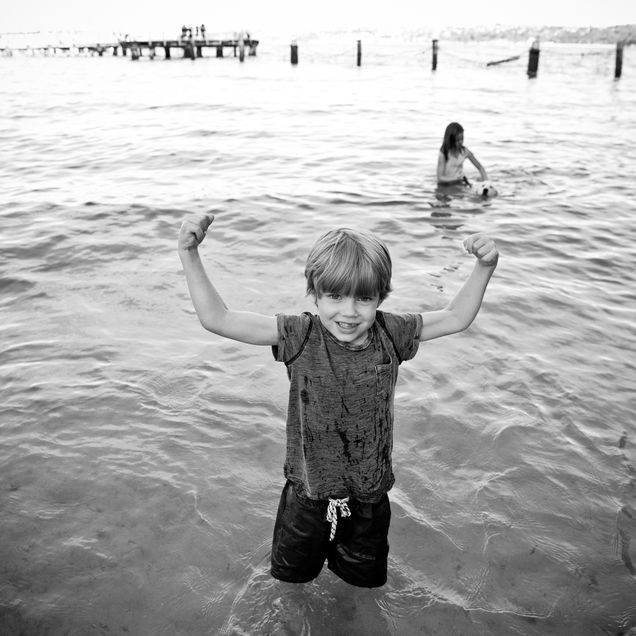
x=334 y=296
x=365 y=299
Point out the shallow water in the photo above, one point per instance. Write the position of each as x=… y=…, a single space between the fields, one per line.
x=141 y=458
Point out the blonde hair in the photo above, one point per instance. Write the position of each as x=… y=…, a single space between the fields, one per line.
x=350 y=263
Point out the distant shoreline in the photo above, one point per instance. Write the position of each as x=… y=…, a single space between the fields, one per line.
x=558 y=34
x=575 y=35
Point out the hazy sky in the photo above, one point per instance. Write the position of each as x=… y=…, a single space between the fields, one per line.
x=295 y=16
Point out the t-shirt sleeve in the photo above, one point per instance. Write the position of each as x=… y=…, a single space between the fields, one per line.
x=405 y=330
x=292 y=331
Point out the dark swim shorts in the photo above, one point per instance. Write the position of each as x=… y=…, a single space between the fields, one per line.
x=358 y=553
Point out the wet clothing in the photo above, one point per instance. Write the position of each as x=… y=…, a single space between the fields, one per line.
x=338 y=467
x=340 y=412
x=453 y=171
x=358 y=553
x=339 y=442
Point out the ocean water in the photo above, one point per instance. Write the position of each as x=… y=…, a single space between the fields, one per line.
x=141 y=457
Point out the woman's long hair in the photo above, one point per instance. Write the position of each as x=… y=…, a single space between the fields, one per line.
x=450 y=143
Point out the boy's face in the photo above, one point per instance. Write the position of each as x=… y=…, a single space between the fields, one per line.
x=347 y=318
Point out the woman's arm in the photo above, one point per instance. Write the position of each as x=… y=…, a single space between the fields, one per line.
x=441 y=166
x=473 y=160
x=212 y=311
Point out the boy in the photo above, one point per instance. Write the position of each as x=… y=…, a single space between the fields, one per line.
x=343 y=365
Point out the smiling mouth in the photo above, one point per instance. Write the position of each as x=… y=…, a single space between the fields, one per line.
x=347 y=325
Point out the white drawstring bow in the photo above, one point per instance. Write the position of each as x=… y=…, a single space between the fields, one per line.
x=332 y=513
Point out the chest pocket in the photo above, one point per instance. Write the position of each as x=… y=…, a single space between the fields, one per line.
x=386 y=373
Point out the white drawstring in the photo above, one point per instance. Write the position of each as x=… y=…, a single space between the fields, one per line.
x=332 y=513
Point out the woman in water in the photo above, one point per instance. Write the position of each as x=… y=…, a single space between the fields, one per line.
x=451 y=158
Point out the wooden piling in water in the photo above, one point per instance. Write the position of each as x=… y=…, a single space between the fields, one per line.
x=359 y=56
x=241 y=48
x=294 y=53
x=434 y=55
x=618 y=67
x=533 y=59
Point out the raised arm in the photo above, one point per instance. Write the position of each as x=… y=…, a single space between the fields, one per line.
x=471 y=157
x=214 y=315
x=462 y=309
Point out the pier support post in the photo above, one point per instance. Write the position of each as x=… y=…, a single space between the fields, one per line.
x=359 y=56
x=199 y=51
x=188 y=50
x=135 y=53
x=294 y=53
x=533 y=59
x=166 y=50
x=219 y=50
x=618 y=68
x=434 y=66
x=241 y=48
x=115 y=50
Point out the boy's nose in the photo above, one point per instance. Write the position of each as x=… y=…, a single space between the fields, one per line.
x=349 y=308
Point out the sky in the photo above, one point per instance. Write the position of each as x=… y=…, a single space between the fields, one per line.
x=296 y=16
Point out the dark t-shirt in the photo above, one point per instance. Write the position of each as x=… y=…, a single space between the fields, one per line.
x=340 y=412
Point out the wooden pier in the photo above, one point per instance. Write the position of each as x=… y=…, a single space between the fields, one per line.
x=190 y=47
x=53 y=49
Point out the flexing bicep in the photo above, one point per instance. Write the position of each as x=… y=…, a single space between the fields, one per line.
x=245 y=326
x=436 y=324
x=462 y=309
x=214 y=314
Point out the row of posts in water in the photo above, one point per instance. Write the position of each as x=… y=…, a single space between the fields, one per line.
x=533 y=57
